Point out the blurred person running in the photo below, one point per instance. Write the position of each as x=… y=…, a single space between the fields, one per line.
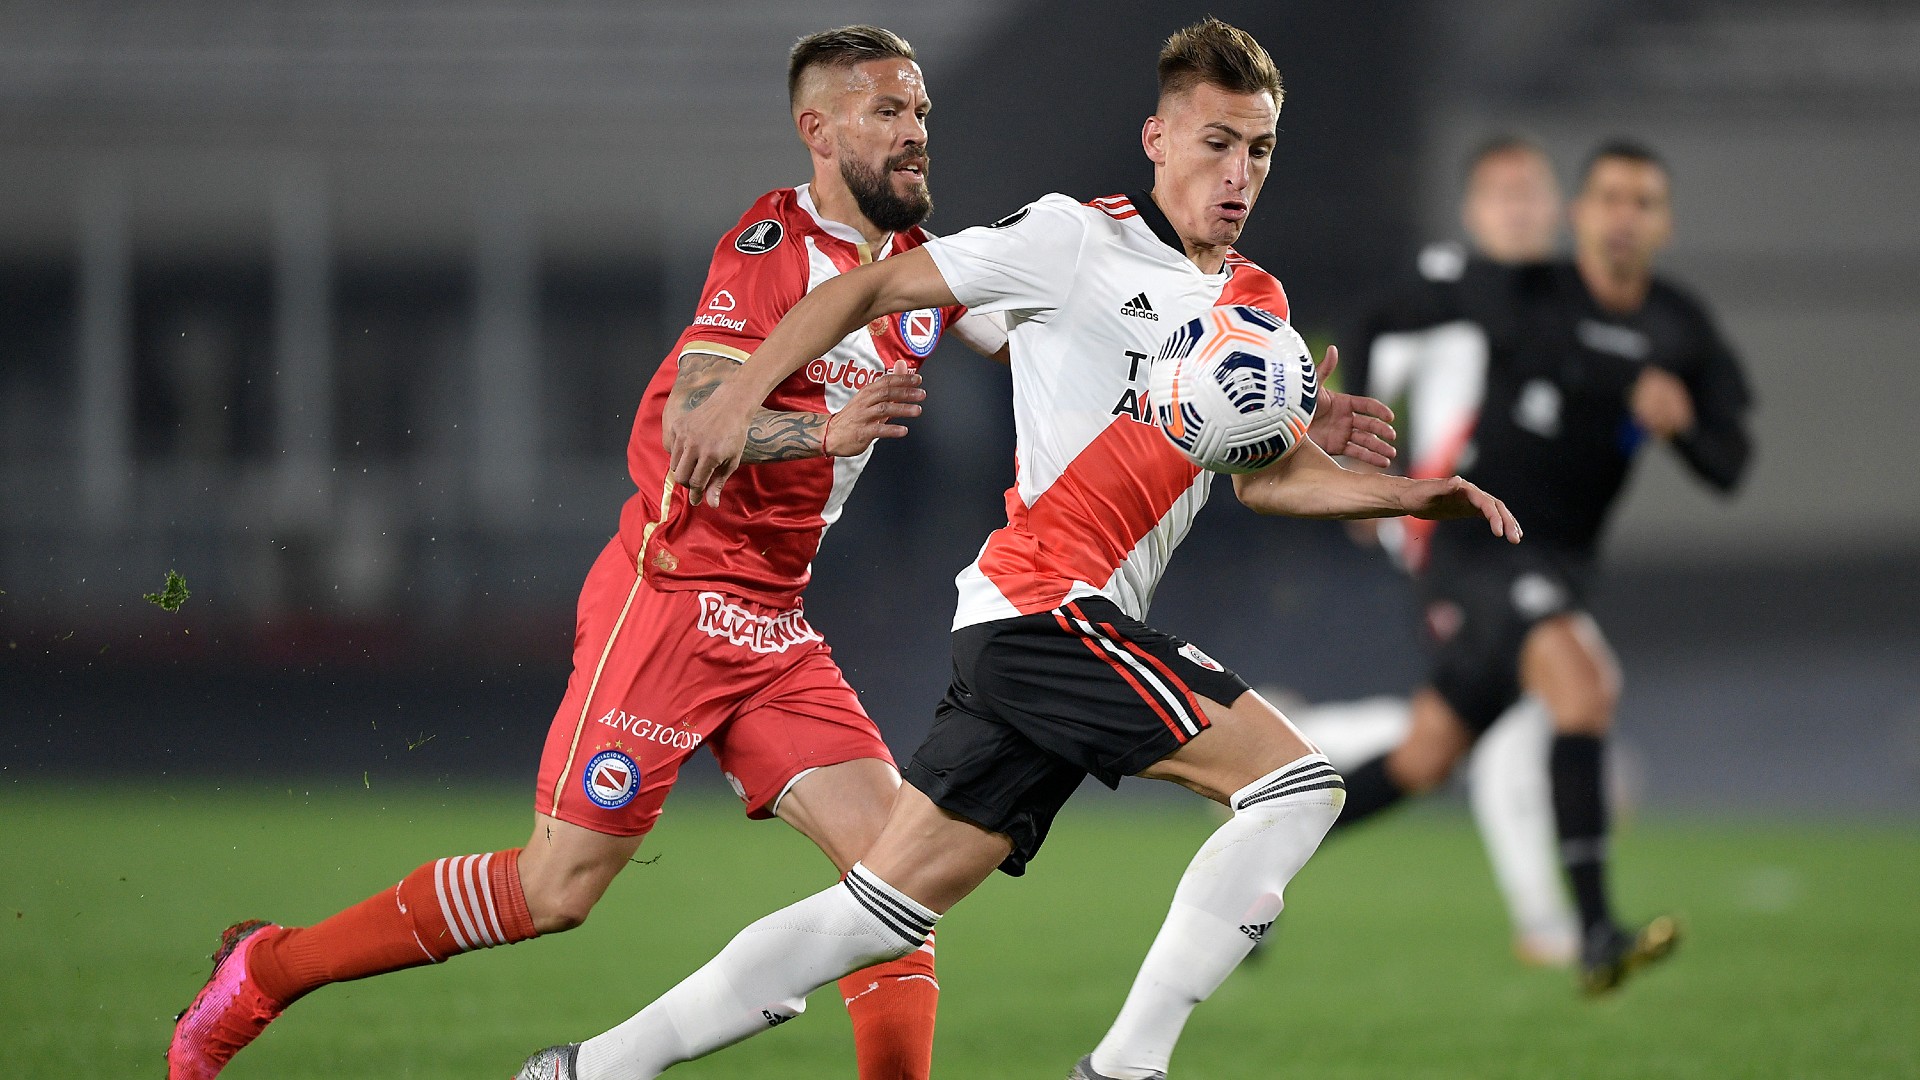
x=1585 y=361
x=1056 y=677
x=703 y=641
x=1415 y=351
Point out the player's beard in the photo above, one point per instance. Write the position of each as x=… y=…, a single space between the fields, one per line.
x=873 y=191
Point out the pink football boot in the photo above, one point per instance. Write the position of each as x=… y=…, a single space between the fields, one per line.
x=227 y=1014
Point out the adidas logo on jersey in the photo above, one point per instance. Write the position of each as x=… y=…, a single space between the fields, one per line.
x=1256 y=931
x=1139 y=308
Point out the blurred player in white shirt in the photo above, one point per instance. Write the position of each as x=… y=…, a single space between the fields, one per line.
x=1436 y=373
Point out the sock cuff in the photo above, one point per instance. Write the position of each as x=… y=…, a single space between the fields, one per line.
x=479 y=898
x=1576 y=743
x=899 y=912
x=1310 y=773
x=510 y=897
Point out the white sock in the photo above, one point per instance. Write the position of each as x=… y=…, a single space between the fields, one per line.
x=1227 y=899
x=1352 y=733
x=763 y=976
x=1512 y=800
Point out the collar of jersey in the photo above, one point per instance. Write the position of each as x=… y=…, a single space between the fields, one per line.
x=836 y=229
x=1164 y=231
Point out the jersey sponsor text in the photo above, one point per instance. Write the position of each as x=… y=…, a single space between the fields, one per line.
x=647 y=731
x=721 y=618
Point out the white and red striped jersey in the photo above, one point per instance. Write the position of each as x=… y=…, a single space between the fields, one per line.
x=1101 y=497
x=760 y=542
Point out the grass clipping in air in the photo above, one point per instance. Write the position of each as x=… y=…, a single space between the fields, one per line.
x=172 y=595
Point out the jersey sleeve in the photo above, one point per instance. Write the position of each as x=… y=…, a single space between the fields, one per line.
x=750 y=286
x=1022 y=263
x=1719 y=447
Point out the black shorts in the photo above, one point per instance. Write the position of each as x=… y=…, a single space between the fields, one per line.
x=1039 y=702
x=1481 y=600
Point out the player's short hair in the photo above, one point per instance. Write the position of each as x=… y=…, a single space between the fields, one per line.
x=1618 y=149
x=1213 y=52
x=1507 y=142
x=841 y=47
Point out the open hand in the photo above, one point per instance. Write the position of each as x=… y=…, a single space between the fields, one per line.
x=1350 y=425
x=871 y=414
x=1453 y=497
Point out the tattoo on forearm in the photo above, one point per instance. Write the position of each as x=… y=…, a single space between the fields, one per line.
x=700 y=375
x=784 y=436
x=772 y=436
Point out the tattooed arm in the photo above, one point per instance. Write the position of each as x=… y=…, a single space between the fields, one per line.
x=772 y=436
x=789 y=436
x=785 y=436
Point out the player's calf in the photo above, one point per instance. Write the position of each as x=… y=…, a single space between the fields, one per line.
x=1567 y=663
x=565 y=869
x=1436 y=741
x=444 y=908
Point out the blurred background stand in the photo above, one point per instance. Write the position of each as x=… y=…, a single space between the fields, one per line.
x=342 y=309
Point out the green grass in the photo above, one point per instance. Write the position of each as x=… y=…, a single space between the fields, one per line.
x=1391 y=960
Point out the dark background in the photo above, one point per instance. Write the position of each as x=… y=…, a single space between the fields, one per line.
x=341 y=310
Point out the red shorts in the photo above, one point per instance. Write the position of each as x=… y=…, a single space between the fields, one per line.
x=659 y=674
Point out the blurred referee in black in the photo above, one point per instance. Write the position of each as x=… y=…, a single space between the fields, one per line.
x=1588 y=360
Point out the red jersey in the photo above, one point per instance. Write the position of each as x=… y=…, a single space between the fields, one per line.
x=760 y=543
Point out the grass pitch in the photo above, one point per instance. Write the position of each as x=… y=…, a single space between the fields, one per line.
x=1391 y=960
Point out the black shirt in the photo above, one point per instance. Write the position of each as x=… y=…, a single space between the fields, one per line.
x=1555 y=437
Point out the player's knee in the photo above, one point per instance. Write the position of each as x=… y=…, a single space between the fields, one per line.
x=1422 y=774
x=1322 y=813
x=1588 y=707
x=560 y=910
x=562 y=904
x=1569 y=664
x=1609 y=685
x=559 y=921
x=1418 y=769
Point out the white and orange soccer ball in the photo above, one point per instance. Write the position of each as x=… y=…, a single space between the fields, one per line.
x=1234 y=389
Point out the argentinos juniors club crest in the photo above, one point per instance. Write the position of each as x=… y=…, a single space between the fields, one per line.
x=611 y=779
x=920 y=329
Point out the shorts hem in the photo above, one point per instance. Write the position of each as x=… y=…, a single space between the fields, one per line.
x=562 y=813
x=1477 y=715
x=1136 y=760
x=954 y=801
x=762 y=807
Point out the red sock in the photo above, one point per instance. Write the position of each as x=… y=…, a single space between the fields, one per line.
x=893 y=1006
x=444 y=908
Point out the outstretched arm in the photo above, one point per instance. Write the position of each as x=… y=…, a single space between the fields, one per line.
x=1307 y=483
x=774 y=435
x=707 y=443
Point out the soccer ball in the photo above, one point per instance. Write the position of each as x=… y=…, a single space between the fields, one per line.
x=1234 y=389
